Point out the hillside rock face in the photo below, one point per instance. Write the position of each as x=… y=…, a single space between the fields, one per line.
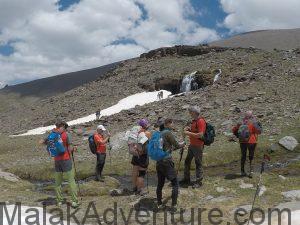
x=182 y=50
x=251 y=79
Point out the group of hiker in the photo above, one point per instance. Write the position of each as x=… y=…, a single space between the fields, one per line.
x=157 y=143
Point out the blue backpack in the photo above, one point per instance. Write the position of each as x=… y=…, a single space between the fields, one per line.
x=55 y=144
x=155 y=147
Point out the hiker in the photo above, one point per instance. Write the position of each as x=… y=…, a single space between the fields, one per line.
x=63 y=163
x=165 y=167
x=195 y=150
x=247 y=131
x=101 y=139
x=98 y=114
x=160 y=95
x=140 y=161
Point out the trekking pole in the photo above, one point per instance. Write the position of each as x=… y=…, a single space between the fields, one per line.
x=76 y=175
x=262 y=169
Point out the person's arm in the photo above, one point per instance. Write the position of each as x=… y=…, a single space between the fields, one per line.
x=172 y=140
x=201 y=129
x=100 y=141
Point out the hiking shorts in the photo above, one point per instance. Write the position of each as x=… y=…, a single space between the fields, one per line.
x=141 y=161
x=62 y=166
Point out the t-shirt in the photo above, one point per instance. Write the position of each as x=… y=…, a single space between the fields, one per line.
x=197 y=126
x=66 y=138
x=99 y=141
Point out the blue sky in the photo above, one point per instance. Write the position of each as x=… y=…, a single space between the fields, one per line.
x=54 y=37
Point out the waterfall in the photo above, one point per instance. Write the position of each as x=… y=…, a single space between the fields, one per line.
x=217 y=76
x=186 y=84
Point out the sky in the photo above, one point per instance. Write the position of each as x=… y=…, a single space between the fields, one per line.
x=41 y=38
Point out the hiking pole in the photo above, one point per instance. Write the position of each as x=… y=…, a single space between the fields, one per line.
x=262 y=169
x=76 y=180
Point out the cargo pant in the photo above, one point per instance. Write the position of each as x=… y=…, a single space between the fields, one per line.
x=197 y=153
x=64 y=167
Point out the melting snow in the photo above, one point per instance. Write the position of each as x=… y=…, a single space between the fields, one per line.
x=124 y=104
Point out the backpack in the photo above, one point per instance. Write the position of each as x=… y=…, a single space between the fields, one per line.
x=55 y=145
x=134 y=148
x=244 y=133
x=155 y=147
x=209 y=134
x=92 y=144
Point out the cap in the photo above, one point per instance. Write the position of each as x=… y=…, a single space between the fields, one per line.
x=195 y=109
x=143 y=123
x=101 y=127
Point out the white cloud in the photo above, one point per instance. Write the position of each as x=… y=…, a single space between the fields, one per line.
x=249 y=15
x=49 y=41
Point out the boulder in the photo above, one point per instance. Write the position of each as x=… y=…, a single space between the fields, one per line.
x=288 y=142
x=293 y=195
x=9 y=176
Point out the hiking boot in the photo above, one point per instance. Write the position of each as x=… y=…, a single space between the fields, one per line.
x=185 y=182
x=173 y=209
x=197 y=184
x=243 y=174
x=251 y=174
x=160 y=206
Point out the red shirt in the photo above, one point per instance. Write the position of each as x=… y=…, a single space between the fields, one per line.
x=197 y=126
x=99 y=140
x=253 y=133
x=66 y=142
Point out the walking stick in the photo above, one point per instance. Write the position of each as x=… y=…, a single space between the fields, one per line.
x=76 y=180
x=262 y=169
x=181 y=156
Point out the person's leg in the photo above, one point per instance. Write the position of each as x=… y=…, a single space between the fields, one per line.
x=58 y=191
x=187 y=166
x=251 y=148
x=72 y=185
x=243 y=147
x=140 y=182
x=102 y=158
x=175 y=190
x=160 y=183
x=97 y=170
x=134 y=177
x=198 y=153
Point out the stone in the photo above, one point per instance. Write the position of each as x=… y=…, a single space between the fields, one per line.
x=282 y=177
x=262 y=190
x=288 y=142
x=293 y=195
x=220 y=189
x=274 y=147
x=244 y=185
x=9 y=176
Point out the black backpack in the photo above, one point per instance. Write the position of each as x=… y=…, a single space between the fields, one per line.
x=209 y=135
x=92 y=144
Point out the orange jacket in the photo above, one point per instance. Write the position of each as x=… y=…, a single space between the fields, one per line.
x=99 y=141
x=198 y=126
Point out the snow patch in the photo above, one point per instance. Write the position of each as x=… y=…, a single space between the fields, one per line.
x=124 y=104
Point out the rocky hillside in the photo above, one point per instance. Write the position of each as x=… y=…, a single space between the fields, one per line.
x=262 y=81
x=269 y=40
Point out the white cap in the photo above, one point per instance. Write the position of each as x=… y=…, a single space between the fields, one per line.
x=101 y=127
